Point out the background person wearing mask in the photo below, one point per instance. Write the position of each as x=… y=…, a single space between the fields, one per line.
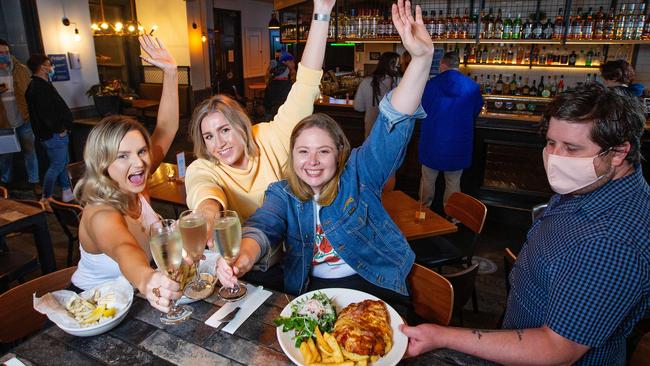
x=52 y=120
x=14 y=79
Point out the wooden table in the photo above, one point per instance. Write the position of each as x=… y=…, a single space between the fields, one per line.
x=165 y=190
x=402 y=208
x=15 y=216
x=141 y=339
x=141 y=106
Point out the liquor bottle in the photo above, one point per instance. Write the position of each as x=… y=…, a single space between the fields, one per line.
x=619 y=27
x=519 y=58
x=455 y=23
x=646 y=30
x=558 y=30
x=538 y=29
x=499 y=87
x=473 y=26
x=588 y=26
x=564 y=58
x=472 y=55
x=485 y=55
x=576 y=26
x=489 y=28
x=525 y=90
x=511 y=56
x=630 y=23
x=588 y=79
x=495 y=56
x=527 y=32
x=441 y=26
x=464 y=25
x=544 y=89
x=599 y=25
x=526 y=60
x=449 y=25
x=556 y=56
x=550 y=57
x=465 y=56
x=533 y=89
x=589 y=57
x=554 y=86
x=534 y=58
x=572 y=58
x=361 y=23
x=506 y=86
x=513 y=85
x=430 y=23
x=516 y=28
x=640 y=23
x=352 y=26
x=610 y=25
x=541 y=58
x=488 y=86
x=560 y=85
x=507 y=28
x=547 y=30
x=481 y=84
x=504 y=54
x=498 y=26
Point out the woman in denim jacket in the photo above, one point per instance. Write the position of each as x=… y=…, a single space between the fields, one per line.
x=328 y=211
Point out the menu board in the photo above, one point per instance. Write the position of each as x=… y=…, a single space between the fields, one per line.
x=60 y=63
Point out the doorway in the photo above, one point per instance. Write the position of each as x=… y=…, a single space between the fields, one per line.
x=228 y=70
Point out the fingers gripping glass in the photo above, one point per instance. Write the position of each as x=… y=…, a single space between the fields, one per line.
x=194 y=231
x=226 y=234
x=167 y=250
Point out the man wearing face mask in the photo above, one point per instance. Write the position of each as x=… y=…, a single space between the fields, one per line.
x=14 y=79
x=52 y=120
x=581 y=281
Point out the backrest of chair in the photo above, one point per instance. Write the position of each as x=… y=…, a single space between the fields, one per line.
x=18 y=318
x=431 y=294
x=3 y=192
x=641 y=353
x=467 y=209
x=463 y=284
x=76 y=171
x=68 y=214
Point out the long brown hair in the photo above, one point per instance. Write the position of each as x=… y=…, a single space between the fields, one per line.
x=301 y=189
x=96 y=186
x=233 y=113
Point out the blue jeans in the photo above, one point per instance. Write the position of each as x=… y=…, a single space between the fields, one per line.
x=26 y=138
x=57 y=152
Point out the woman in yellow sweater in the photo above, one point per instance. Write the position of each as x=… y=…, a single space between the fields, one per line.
x=237 y=161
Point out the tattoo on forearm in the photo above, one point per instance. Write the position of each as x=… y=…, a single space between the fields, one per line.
x=481 y=332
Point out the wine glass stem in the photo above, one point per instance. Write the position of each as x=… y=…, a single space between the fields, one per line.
x=196 y=282
x=235 y=288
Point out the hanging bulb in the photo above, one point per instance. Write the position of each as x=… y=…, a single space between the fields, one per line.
x=94 y=27
x=154 y=27
x=118 y=26
x=131 y=28
x=140 y=28
x=194 y=25
x=76 y=36
x=104 y=25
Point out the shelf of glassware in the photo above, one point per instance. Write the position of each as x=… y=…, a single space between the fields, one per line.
x=603 y=41
x=528 y=66
x=517 y=98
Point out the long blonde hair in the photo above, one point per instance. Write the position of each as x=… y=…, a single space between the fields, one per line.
x=96 y=186
x=301 y=189
x=233 y=113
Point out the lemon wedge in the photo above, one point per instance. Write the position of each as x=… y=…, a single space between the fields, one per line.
x=108 y=313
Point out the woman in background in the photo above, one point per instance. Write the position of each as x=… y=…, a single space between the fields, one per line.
x=619 y=74
x=373 y=88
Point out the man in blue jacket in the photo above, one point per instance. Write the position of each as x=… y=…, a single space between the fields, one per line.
x=452 y=102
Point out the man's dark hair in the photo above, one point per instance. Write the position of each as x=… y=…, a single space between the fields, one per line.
x=36 y=61
x=451 y=59
x=619 y=70
x=617 y=117
x=4 y=43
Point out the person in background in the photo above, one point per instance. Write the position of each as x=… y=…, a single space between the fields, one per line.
x=288 y=60
x=237 y=161
x=373 y=88
x=277 y=89
x=14 y=113
x=452 y=102
x=580 y=282
x=52 y=123
x=620 y=74
x=405 y=60
x=114 y=228
x=328 y=211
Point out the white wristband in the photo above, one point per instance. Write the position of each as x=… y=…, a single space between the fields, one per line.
x=322 y=17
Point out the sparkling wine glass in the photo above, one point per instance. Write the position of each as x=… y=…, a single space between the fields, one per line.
x=194 y=231
x=167 y=250
x=226 y=233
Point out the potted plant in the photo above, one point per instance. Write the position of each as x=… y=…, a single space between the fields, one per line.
x=108 y=95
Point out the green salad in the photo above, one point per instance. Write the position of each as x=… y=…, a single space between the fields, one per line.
x=308 y=313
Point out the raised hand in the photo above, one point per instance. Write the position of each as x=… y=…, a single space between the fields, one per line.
x=414 y=34
x=157 y=54
x=321 y=6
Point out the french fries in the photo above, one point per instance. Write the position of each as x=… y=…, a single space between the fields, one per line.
x=89 y=312
x=327 y=352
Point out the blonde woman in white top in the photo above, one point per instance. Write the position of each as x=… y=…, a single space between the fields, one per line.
x=119 y=157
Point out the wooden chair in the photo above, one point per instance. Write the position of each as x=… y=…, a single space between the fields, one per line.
x=18 y=319
x=76 y=171
x=431 y=294
x=3 y=192
x=458 y=247
x=463 y=284
x=509 y=258
x=69 y=216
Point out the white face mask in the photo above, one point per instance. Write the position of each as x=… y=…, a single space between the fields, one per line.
x=568 y=174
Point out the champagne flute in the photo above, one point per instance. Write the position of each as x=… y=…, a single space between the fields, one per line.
x=167 y=250
x=194 y=231
x=226 y=233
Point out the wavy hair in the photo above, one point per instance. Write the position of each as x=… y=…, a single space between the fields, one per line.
x=233 y=113
x=618 y=70
x=301 y=189
x=96 y=186
x=386 y=67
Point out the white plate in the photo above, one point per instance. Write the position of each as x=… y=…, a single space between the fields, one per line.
x=342 y=297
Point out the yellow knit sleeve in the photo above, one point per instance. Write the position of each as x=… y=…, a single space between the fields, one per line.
x=201 y=183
